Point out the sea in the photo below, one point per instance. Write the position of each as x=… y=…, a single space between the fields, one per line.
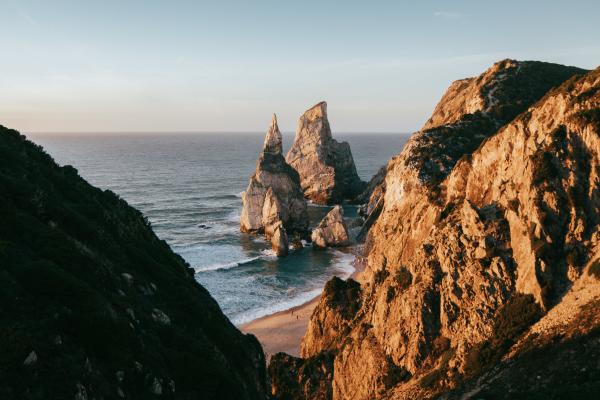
x=189 y=187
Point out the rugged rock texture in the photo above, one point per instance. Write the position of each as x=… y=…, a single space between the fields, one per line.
x=488 y=220
x=295 y=378
x=332 y=230
x=374 y=190
x=557 y=358
x=93 y=305
x=326 y=167
x=274 y=194
x=372 y=202
x=330 y=321
x=279 y=241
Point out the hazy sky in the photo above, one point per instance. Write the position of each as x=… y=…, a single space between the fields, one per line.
x=227 y=65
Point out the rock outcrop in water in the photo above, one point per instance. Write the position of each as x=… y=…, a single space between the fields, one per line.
x=279 y=241
x=274 y=196
x=480 y=264
x=95 y=306
x=326 y=167
x=332 y=230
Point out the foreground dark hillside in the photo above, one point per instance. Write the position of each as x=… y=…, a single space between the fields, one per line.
x=94 y=305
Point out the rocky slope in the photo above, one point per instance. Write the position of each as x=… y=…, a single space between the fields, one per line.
x=93 y=305
x=326 y=167
x=488 y=220
x=273 y=202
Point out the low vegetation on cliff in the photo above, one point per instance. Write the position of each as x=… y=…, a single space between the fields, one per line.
x=94 y=305
x=481 y=252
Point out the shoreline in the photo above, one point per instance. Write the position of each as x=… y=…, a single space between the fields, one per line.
x=283 y=331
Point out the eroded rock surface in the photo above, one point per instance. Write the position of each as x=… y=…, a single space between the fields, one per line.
x=279 y=241
x=296 y=378
x=274 y=195
x=490 y=215
x=332 y=230
x=326 y=167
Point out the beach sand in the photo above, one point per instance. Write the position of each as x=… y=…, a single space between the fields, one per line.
x=283 y=331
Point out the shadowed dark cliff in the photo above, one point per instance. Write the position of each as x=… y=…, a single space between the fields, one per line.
x=94 y=305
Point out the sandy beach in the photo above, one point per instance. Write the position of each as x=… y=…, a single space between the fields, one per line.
x=283 y=331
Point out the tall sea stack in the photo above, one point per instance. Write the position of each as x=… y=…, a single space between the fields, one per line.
x=274 y=195
x=326 y=167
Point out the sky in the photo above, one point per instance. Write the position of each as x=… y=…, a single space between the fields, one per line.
x=226 y=66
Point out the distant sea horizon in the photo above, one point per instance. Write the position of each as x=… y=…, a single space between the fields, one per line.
x=189 y=186
x=38 y=134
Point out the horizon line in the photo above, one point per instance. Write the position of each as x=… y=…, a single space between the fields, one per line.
x=194 y=132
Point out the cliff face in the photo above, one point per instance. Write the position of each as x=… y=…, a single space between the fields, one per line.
x=273 y=195
x=489 y=220
x=94 y=305
x=326 y=167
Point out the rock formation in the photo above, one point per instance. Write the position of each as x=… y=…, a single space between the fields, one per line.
x=274 y=195
x=279 y=241
x=371 y=200
x=95 y=306
x=326 y=167
x=488 y=225
x=295 y=378
x=332 y=230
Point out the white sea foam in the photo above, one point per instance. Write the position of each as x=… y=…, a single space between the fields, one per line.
x=234 y=216
x=281 y=305
x=310 y=203
x=342 y=266
x=268 y=254
x=229 y=265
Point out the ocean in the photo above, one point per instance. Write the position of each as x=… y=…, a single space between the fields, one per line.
x=189 y=186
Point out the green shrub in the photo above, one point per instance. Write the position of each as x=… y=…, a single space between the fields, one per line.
x=391 y=292
x=403 y=278
x=446 y=211
x=343 y=296
x=544 y=167
x=380 y=275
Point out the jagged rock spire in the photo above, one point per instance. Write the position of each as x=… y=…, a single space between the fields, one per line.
x=273 y=142
x=274 y=195
x=326 y=167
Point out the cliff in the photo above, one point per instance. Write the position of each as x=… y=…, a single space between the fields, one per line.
x=478 y=257
x=93 y=305
x=326 y=167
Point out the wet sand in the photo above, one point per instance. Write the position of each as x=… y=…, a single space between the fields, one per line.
x=283 y=331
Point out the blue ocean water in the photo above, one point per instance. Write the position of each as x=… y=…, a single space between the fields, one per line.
x=189 y=186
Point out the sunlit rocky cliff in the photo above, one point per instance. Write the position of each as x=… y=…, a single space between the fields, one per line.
x=481 y=257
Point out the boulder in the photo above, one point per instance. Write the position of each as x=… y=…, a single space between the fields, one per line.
x=332 y=230
x=279 y=241
x=274 y=194
x=326 y=167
